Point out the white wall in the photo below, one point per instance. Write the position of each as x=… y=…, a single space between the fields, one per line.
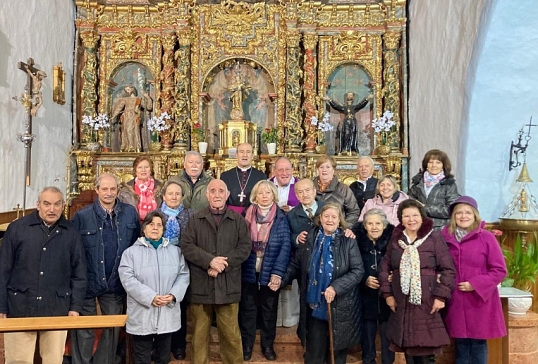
x=44 y=31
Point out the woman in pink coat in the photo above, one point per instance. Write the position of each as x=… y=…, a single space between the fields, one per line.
x=387 y=199
x=474 y=313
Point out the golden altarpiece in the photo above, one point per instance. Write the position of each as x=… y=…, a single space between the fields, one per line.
x=222 y=72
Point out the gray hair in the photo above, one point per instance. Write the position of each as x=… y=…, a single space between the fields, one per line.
x=369 y=159
x=377 y=212
x=384 y=178
x=149 y=218
x=50 y=189
x=100 y=177
x=193 y=152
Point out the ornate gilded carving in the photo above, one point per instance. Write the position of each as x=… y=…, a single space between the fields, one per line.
x=85 y=173
x=182 y=107
x=293 y=93
x=391 y=85
x=167 y=73
x=351 y=45
x=310 y=64
x=89 y=96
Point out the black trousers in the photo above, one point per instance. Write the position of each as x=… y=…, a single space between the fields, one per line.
x=317 y=343
x=252 y=299
x=179 y=340
x=144 y=344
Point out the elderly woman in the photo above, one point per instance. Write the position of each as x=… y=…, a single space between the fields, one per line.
x=264 y=268
x=387 y=199
x=330 y=190
x=435 y=187
x=143 y=190
x=423 y=277
x=155 y=277
x=177 y=217
x=330 y=268
x=373 y=236
x=474 y=314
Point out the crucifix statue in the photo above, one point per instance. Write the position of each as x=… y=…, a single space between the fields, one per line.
x=32 y=99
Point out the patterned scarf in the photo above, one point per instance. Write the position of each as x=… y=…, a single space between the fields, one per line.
x=410 y=270
x=430 y=181
x=145 y=191
x=320 y=275
x=259 y=227
x=173 y=229
x=460 y=234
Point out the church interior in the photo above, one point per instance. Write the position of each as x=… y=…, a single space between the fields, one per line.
x=86 y=86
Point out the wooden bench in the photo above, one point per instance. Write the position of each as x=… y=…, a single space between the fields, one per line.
x=61 y=323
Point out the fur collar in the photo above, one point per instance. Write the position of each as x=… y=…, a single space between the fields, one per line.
x=425 y=228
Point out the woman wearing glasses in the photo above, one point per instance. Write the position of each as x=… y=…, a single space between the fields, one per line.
x=373 y=235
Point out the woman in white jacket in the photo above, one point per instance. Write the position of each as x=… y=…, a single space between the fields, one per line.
x=155 y=276
x=387 y=199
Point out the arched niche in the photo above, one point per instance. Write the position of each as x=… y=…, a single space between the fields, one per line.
x=351 y=77
x=130 y=79
x=258 y=99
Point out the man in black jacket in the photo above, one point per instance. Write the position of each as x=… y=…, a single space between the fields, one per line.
x=42 y=273
x=365 y=186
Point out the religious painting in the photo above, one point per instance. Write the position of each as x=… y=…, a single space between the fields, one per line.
x=131 y=97
x=350 y=104
x=238 y=91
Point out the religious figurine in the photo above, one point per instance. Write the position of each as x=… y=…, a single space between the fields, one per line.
x=348 y=127
x=237 y=89
x=130 y=106
x=37 y=95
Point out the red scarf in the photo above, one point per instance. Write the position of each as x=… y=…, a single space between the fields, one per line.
x=145 y=192
x=260 y=226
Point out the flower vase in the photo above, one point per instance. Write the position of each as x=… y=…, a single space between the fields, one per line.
x=93 y=145
x=154 y=145
x=321 y=149
x=271 y=148
x=202 y=147
x=383 y=149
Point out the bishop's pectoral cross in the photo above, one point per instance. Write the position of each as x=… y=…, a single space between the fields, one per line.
x=241 y=196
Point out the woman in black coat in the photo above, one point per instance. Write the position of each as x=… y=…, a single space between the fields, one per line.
x=329 y=269
x=373 y=235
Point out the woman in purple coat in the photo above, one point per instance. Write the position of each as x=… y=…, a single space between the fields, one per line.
x=480 y=267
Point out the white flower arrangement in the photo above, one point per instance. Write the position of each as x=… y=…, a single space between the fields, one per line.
x=158 y=123
x=383 y=123
x=324 y=125
x=99 y=122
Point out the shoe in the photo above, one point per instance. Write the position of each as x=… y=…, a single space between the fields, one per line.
x=247 y=353
x=179 y=354
x=269 y=354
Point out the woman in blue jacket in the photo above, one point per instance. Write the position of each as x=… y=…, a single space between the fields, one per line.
x=264 y=268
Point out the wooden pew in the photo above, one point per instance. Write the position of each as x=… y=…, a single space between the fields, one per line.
x=61 y=323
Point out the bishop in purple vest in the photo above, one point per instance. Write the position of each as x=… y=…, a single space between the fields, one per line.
x=285 y=182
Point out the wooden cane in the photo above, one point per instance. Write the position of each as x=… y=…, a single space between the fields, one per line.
x=331 y=339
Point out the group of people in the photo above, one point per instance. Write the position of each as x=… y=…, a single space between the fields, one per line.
x=341 y=262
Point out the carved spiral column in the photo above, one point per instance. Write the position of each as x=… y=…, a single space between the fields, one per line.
x=182 y=107
x=310 y=41
x=293 y=93
x=391 y=85
x=89 y=79
x=167 y=73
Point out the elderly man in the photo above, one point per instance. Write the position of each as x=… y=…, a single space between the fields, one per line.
x=42 y=273
x=285 y=183
x=215 y=243
x=364 y=188
x=108 y=227
x=241 y=179
x=193 y=181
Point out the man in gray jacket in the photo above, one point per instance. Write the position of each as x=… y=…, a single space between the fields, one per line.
x=215 y=243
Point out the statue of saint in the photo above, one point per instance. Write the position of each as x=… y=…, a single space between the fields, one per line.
x=347 y=129
x=237 y=88
x=128 y=106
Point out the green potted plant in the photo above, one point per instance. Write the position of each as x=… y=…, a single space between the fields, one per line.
x=269 y=137
x=522 y=268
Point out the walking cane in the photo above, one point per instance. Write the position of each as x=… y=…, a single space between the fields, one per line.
x=331 y=339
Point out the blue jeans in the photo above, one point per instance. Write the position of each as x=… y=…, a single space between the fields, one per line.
x=471 y=351
x=369 y=332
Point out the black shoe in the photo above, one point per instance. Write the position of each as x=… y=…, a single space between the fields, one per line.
x=179 y=354
x=269 y=353
x=247 y=353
